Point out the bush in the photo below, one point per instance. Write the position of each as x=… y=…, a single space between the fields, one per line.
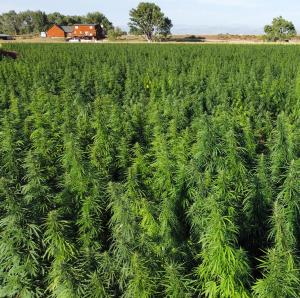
x=115 y=33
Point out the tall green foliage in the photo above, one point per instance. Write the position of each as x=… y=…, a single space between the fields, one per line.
x=135 y=171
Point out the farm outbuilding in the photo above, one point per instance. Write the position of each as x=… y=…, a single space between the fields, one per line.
x=6 y=37
x=57 y=31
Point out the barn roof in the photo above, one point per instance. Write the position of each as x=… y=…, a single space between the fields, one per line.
x=86 y=24
x=67 y=29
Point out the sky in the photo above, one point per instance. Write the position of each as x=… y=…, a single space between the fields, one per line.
x=188 y=16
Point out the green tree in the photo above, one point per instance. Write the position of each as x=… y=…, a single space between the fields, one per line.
x=57 y=18
x=280 y=29
x=40 y=21
x=32 y=21
x=99 y=18
x=149 y=20
x=10 y=22
x=115 y=33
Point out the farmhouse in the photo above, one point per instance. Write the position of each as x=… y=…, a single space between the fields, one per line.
x=57 y=31
x=80 y=31
x=88 y=31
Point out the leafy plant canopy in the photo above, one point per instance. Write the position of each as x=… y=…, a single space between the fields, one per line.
x=162 y=171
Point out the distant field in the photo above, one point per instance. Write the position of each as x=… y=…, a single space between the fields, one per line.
x=188 y=38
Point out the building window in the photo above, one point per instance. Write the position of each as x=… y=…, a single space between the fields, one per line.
x=91 y=27
x=76 y=27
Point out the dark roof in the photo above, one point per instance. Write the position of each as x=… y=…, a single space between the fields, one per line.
x=67 y=29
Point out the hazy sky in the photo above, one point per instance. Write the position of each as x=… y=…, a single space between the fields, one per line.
x=189 y=16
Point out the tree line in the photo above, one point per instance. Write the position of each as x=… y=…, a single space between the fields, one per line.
x=34 y=22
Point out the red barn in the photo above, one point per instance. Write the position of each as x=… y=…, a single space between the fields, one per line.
x=88 y=31
x=60 y=31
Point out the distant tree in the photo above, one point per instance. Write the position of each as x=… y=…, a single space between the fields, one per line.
x=40 y=21
x=166 y=28
x=280 y=29
x=32 y=21
x=149 y=20
x=57 y=18
x=115 y=33
x=10 y=23
x=99 y=18
x=71 y=20
x=26 y=22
